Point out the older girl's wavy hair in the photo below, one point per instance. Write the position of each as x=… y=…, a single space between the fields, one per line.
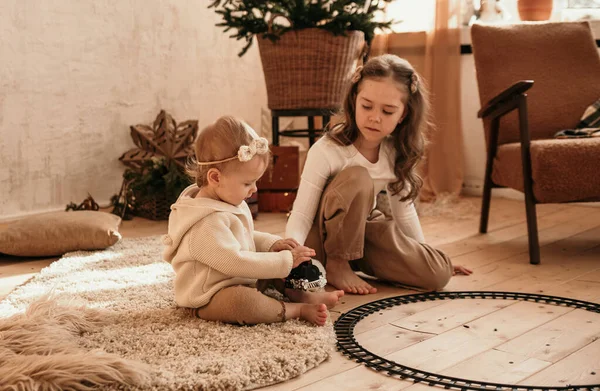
x=408 y=138
x=220 y=140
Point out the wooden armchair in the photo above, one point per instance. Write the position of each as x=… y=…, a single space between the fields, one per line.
x=552 y=71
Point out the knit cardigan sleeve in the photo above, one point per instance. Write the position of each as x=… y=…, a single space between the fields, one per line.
x=213 y=243
x=264 y=241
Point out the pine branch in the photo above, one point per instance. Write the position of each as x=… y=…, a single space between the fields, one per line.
x=252 y=17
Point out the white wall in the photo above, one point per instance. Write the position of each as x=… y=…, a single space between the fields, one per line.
x=75 y=74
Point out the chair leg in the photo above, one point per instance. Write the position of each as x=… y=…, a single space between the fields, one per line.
x=485 y=205
x=532 y=231
x=488 y=184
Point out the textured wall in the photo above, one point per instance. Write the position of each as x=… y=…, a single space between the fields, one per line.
x=75 y=74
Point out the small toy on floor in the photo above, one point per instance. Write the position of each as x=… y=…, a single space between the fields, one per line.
x=306 y=277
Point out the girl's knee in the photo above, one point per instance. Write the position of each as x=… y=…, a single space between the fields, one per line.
x=437 y=280
x=438 y=276
x=353 y=182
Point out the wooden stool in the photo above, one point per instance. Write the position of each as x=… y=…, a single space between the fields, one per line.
x=311 y=132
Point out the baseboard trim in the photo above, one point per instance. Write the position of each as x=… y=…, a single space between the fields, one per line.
x=17 y=216
x=475 y=188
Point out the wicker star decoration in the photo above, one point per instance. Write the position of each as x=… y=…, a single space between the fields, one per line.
x=165 y=138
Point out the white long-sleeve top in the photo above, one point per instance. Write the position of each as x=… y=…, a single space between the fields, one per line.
x=324 y=161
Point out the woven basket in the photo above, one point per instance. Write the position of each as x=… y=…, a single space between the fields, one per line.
x=153 y=207
x=309 y=68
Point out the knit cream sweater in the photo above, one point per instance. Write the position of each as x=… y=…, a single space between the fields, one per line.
x=213 y=245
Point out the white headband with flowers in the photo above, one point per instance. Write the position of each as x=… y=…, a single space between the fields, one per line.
x=245 y=153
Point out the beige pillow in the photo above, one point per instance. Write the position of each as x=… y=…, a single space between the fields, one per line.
x=60 y=232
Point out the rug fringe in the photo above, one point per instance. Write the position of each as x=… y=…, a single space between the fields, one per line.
x=448 y=205
x=39 y=351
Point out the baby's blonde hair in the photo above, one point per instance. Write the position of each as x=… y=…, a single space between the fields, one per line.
x=220 y=140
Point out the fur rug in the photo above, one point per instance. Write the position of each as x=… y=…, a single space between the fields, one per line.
x=109 y=319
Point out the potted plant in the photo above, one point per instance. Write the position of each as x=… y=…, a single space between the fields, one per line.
x=152 y=189
x=308 y=48
x=155 y=174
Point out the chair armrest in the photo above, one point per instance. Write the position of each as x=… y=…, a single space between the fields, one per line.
x=505 y=97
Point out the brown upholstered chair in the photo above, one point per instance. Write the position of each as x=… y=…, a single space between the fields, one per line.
x=534 y=80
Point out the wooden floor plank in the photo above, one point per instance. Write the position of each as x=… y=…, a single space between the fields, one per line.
x=511 y=270
x=456 y=345
x=450 y=315
x=577 y=289
x=498 y=367
x=476 y=241
x=488 y=275
x=564 y=260
x=558 y=338
x=388 y=339
x=491 y=366
x=503 y=221
x=519 y=246
x=593 y=276
x=389 y=315
x=348 y=301
x=581 y=367
x=360 y=378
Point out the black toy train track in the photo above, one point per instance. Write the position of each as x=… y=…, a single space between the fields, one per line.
x=347 y=344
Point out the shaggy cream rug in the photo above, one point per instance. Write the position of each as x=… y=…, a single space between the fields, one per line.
x=110 y=320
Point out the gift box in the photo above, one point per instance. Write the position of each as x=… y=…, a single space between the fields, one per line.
x=278 y=186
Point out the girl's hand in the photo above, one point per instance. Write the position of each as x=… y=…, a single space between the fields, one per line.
x=302 y=254
x=284 y=244
x=458 y=269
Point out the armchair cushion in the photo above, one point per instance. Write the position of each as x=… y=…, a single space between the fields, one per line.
x=562 y=170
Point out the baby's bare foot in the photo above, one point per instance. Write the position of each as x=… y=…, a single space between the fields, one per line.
x=330 y=299
x=314 y=313
x=341 y=276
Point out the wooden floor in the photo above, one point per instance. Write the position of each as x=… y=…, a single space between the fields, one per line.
x=505 y=341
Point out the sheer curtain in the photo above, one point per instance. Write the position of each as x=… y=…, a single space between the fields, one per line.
x=429 y=37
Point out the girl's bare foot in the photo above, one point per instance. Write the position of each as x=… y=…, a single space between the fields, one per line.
x=341 y=276
x=313 y=313
x=328 y=298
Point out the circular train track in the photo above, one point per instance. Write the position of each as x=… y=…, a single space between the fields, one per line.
x=347 y=344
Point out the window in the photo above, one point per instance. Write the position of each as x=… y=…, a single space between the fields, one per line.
x=583 y=4
x=581 y=10
x=411 y=15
